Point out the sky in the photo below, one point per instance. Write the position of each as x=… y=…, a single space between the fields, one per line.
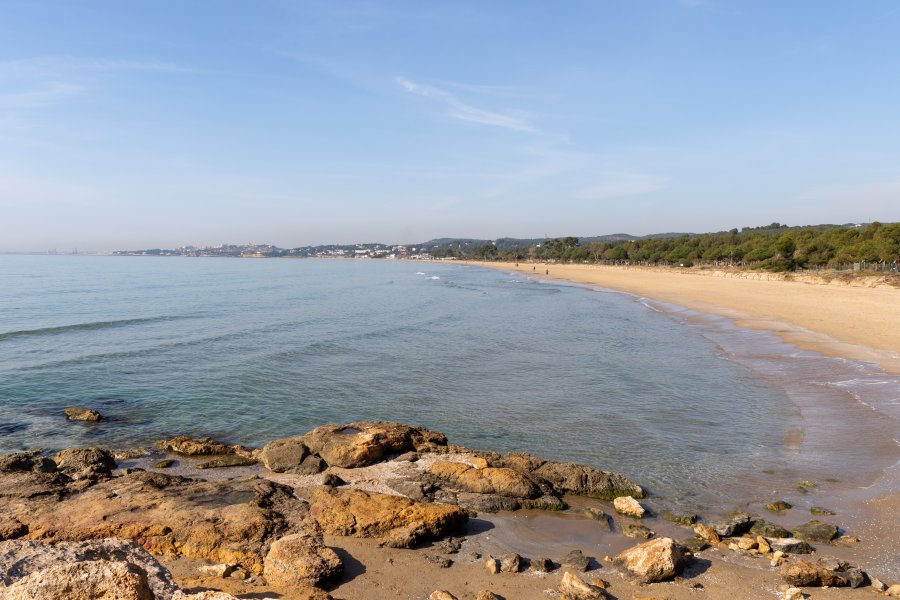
x=156 y=123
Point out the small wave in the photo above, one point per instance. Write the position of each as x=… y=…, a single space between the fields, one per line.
x=434 y=277
x=419 y=273
x=62 y=329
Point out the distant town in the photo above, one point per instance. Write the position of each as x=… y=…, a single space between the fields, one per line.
x=251 y=250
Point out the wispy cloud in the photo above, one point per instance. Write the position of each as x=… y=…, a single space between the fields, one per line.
x=458 y=109
x=620 y=185
x=37 y=97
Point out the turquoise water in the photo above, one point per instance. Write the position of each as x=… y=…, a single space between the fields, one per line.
x=251 y=350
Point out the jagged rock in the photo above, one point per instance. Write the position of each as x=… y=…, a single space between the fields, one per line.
x=130 y=454
x=492 y=565
x=769 y=530
x=707 y=533
x=574 y=588
x=510 y=563
x=487 y=503
x=300 y=560
x=164 y=464
x=570 y=478
x=576 y=561
x=396 y=521
x=332 y=480
x=26 y=462
x=747 y=543
x=82 y=414
x=762 y=544
x=441 y=595
x=284 y=455
x=789 y=545
x=441 y=561
x=816 y=531
x=25 y=560
x=11 y=529
x=363 y=443
x=738 y=524
x=542 y=565
x=694 y=545
x=804 y=573
x=628 y=506
x=194 y=447
x=636 y=530
x=793 y=594
x=546 y=502
x=228 y=460
x=601 y=517
x=653 y=561
x=490 y=480
x=224 y=522
x=682 y=518
x=86 y=580
x=219 y=570
x=85 y=463
x=487 y=595
x=779 y=506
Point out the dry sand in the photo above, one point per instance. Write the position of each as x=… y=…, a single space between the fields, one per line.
x=860 y=323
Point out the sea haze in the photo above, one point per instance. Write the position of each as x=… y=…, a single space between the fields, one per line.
x=251 y=350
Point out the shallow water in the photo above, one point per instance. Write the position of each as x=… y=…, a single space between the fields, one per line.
x=247 y=351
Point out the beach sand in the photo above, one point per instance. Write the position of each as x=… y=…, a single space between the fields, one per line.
x=860 y=323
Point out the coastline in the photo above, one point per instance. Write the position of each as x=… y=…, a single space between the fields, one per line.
x=841 y=321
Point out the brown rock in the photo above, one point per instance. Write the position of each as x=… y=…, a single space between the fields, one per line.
x=636 y=530
x=628 y=506
x=574 y=588
x=492 y=565
x=577 y=561
x=89 y=580
x=395 y=520
x=300 y=559
x=193 y=447
x=500 y=481
x=542 y=565
x=82 y=414
x=705 y=532
x=85 y=463
x=763 y=545
x=570 y=478
x=510 y=563
x=804 y=573
x=487 y=595
x=893 y=591
x=11 y=529
x=285 y=455
x=23 y=462
x=363 y=443
x=228 y=460
x=441 y=595
x=653 y=561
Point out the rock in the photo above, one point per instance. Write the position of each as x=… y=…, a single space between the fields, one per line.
x=441 y=561
x=229 y=522
x=848 y=541
x=707 y=533
x=574 y=588
x=408 y=457
x=487 y=595
x=747 y=543
x=86 y=580
x=793 y=594
x=510 y=563
x=26 y=462
x=546 y=502
x=492 y=565
x=82 y=414
x=769 y=530
x=220 y=570
x=396 y=521
x=628 y=506
x=300 y=559
x=363 y=443
x=789 y=546
x=165 y=463
x=441 y=595
x=653 y=561
x=694 y=545
x=682 y=518
x=85 y=463
x=332 y=480
x=803 y=573
x=488 y=503
x=11 y=529
x=576 y=561
x=763 y=545
x=569 y=478
x=26 y=560
x=816 y=531
x=779 y=506
x=893 y=591
x=601 y=517
x=878 y=585
x=228 y=460
x=738 y=524
x=636 y=530
x=819 y=510
x=542 y=565
x=193 y=447
x=284 y=455
x=130 y=454
x=500 y=481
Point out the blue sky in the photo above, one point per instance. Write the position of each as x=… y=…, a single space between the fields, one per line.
x=157 y=123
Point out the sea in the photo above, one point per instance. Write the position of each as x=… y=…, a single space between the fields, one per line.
x=699 y=411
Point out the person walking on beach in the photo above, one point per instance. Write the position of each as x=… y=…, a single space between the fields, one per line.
x=547 y=272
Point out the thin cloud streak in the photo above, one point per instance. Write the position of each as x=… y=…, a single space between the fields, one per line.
x=622 y=185
x=465 y=112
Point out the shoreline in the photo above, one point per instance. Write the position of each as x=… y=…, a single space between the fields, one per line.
x=840 y=321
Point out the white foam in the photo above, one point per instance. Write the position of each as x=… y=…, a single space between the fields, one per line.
x=434 y=277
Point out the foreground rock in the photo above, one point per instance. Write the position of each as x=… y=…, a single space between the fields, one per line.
x=395 y=521
x=825 y=572
x=573 y=587
x=489 y=480
x=816 y=531
x=85 y=463
x=82 y=414
x=301 y=559
x=653 y=561
x=628 y=506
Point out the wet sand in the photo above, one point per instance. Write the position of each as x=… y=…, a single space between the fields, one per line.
x=860 y=323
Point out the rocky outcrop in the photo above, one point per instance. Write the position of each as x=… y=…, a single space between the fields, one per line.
x=207 y=446
x=23 y=462
x=395 y=521
x=290 y=455
x=84 y=581
x=567 y=478
x=85 y=463
x=225 y=522
x=825 y=572
x=653 y=561
x=74 y=413
x=363 y=443
x=489 y=480
x=300 y=560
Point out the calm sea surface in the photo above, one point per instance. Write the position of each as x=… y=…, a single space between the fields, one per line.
x=251 y=350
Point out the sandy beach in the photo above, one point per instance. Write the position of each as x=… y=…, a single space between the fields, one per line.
x=860 y=323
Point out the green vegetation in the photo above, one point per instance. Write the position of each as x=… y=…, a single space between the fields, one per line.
x=775 y=247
